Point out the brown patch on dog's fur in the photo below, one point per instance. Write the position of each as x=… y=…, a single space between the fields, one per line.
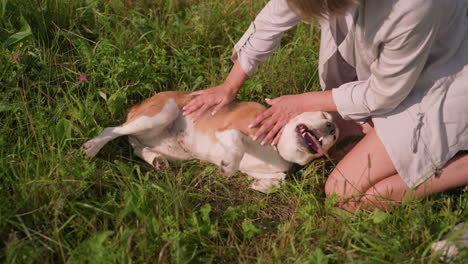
x=155 y=104
x=236 y=115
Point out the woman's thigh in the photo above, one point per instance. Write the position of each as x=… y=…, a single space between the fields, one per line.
x=365 y=165
x=453 y=174
x=367 y=170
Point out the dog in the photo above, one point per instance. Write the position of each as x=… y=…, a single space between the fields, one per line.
x=159 y=133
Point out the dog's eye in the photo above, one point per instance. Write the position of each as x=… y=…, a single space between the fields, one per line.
x=331 y=128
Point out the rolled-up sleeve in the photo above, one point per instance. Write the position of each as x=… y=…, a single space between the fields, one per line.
x=264 y=35
x=402 y=57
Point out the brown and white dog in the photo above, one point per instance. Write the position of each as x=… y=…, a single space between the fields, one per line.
x=158 y=133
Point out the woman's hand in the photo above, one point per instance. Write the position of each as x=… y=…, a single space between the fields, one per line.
x=282 y=110
x=285 y=108
x=217 y=96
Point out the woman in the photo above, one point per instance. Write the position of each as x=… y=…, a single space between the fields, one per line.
x=400 y=64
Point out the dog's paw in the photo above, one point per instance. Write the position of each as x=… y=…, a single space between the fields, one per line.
x=91 y=148
x=160 y=163
x=265 y=185
x=227 y=169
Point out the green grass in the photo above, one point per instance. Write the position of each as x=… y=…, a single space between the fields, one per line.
x=58 y=207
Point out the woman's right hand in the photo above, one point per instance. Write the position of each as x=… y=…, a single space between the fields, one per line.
x=217 y=96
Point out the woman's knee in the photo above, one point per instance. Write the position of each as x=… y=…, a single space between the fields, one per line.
x=392 y=188
x=330 y=186
x=336 y=184
x=348 y=199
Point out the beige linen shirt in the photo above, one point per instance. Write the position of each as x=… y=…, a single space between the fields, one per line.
x=402 y=63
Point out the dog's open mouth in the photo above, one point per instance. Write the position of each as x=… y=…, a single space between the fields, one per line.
x=313 y=139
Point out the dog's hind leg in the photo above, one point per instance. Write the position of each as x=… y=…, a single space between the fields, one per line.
x=156 y=124
x=155 y=159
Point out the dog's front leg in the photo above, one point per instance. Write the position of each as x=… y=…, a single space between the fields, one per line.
x=264 y=182
x=233 y=149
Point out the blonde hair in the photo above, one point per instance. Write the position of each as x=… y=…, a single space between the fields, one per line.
x=311 y=10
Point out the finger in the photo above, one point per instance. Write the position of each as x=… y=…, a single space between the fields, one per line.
x=273 y=132
x=260 y=118
x=196 y=96
x=192 y=102
x=218 y=107
x=195 y=104
x=264 y=128
x=192 y=106
x=277 y=138
x=196 y=93
x=272 y=101
x=200 y=112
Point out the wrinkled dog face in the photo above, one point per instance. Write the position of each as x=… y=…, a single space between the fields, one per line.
x=307 y=136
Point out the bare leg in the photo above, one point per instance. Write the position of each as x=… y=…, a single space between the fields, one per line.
x=364 y=166
x=366 y=175
x=393 y=188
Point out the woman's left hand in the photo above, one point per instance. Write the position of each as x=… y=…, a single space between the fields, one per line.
x=286 y=107
x=282 y=110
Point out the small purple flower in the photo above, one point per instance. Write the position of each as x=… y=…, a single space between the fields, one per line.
x=16 y=58
x=83 y=78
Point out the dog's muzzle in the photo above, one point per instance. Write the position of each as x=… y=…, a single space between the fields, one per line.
x=313 y=138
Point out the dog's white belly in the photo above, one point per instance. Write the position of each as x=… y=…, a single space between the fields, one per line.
x=171 y=142
x=179 y=141
x=170 y=146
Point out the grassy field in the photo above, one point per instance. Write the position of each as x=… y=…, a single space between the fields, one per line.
x=68 y=68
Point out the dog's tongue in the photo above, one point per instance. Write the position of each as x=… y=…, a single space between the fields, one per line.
x=311 y=143
x=320 y=152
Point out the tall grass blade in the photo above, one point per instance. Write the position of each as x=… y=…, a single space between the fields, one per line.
x=19 y=36
x=3 y=4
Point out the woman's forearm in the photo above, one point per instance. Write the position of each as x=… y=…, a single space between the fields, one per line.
x=236 y=78
x=318 y=101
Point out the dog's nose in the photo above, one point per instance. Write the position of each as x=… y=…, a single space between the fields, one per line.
x=330 y=128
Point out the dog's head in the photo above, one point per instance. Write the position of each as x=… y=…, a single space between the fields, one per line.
x=307 y=136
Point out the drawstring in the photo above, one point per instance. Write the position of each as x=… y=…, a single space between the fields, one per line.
x=417 y=133
x=414 y=142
